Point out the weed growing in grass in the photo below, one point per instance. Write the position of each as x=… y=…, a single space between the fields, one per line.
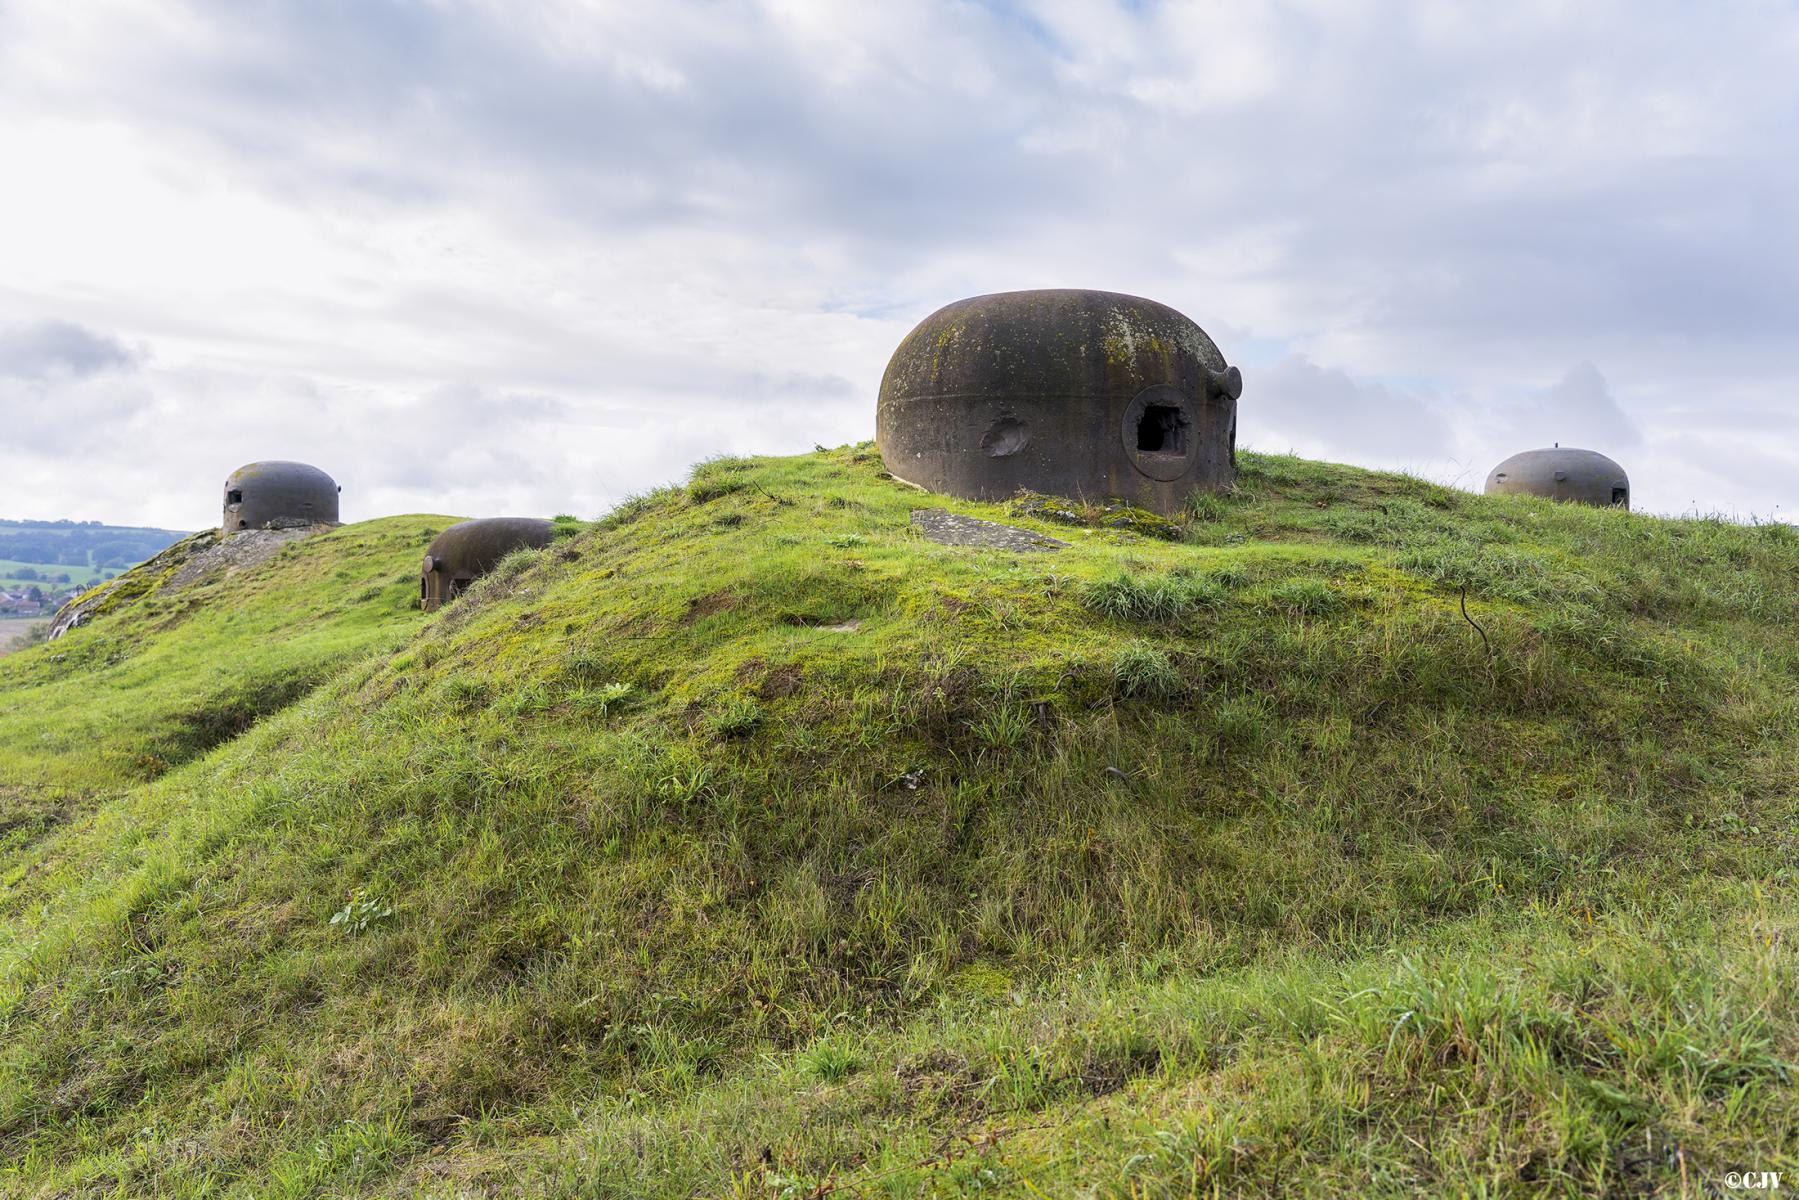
x=360 y=913
x=603 y=700
x=736 y=717
x=1498 y=572
x=1244 y=722
x=586 y=666
x=833 y=1059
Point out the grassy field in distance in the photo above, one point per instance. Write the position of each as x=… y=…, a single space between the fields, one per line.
x=47 y=573
x=13 y=631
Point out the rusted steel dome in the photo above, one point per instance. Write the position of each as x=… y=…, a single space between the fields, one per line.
x=278 y=495
x=464 y=552
x=1562 y=473
x=1073 y=393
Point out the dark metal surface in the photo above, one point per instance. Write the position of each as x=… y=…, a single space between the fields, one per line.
x=278 y=495
x=1070 y=393
x=1562 y=473
x=463 y=553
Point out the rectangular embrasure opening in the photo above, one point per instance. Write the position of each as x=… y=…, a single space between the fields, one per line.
x=1162 y=430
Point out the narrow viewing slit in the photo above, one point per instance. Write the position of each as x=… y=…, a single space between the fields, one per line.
x=234 y=496
x=1620 y=495
x=1162 y=430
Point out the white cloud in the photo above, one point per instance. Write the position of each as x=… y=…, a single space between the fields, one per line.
x=48 y=350
x=571 y=247
x=1323 y=413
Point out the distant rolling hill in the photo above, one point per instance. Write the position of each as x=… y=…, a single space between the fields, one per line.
x=43 y=563
x=84 y=546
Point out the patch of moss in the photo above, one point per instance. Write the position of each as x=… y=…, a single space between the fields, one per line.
x=1114 y=516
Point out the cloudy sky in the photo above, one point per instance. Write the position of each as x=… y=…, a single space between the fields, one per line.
x=481 y=257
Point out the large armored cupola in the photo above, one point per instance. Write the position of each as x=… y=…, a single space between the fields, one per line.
x=463 y=553
x=1562 y=473
x=1074 y=393
x=278 y=495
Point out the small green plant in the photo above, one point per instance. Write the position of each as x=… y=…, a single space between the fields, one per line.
x=737 y=716
x=361 y=913
x=833 y=1058
x=601 y=701
x=845 y=541
x=684 y=782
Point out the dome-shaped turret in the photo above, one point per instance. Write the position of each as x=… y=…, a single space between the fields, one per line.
x=1074 y=393
x=278 y=495
x=1562 y=473
x=463 y=553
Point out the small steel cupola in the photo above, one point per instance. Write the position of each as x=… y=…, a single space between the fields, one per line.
x=1562 y=473
x=278 y=495
x=464 y=552
x=1073 y=393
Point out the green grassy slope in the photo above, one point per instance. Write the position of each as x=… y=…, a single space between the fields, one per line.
x=166 y=674
x=748 y=844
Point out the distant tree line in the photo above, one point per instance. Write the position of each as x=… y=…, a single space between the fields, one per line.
x=71 y=544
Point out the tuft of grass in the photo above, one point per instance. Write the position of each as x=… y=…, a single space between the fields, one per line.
x=1307 y=598
x=1143 y=669
x=1135 y=597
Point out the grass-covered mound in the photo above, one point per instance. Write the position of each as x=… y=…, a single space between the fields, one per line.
x=174 y=659
x=1367 y=836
